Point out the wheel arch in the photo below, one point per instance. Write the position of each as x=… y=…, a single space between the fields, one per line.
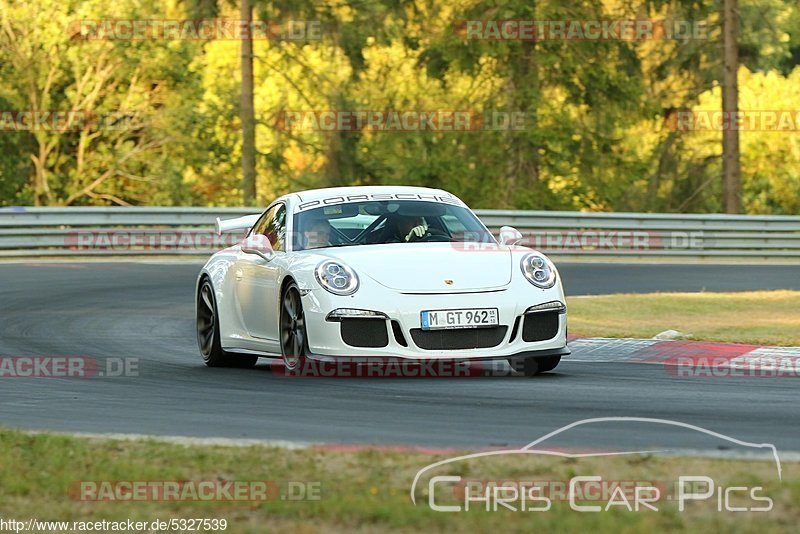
x=288 y=279
x=202 y=277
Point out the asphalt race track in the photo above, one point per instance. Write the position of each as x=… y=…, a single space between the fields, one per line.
x=145 y=311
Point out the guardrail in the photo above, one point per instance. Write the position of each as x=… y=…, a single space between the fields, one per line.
x=75 y=232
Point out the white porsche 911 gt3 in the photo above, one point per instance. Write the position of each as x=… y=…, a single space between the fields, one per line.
x=378 y=272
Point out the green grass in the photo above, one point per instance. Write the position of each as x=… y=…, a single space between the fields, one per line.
x=759 y=317
x=365 y=491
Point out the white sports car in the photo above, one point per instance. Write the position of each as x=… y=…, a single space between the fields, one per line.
x=378 y=272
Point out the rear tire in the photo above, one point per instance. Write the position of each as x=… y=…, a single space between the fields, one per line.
x=208 y=339
x=534 y=366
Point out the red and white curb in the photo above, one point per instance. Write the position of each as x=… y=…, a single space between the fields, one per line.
x=695 y=358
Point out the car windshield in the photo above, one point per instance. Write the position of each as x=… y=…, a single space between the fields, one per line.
x=378 y=222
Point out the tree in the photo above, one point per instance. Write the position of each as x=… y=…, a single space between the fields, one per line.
x=248 y=111
x=113 y=151
x=731 y=166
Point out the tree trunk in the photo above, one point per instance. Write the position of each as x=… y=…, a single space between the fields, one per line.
x=523 y=154
x=248 y=112
x=731 y=167
x=41 y=189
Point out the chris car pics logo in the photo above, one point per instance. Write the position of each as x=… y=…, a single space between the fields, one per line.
x=589 y=492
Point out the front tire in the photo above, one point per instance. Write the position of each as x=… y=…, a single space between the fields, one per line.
x=208 y=339
x=535 y=366
x=294 y=341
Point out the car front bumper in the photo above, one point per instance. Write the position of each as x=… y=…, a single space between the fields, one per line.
x=326 y=341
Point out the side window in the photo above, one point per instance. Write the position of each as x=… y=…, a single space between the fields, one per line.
x=261 y=225
x=276 y=228
x=273 y=225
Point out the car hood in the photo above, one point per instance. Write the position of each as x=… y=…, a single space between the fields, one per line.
x=426 y=267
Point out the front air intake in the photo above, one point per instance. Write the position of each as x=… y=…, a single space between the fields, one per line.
x=398 y=334
x=540 y=326
x=368 y=333
x=457 y=339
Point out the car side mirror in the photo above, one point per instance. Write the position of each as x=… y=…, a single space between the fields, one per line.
x=259 y=245
x=510 y=235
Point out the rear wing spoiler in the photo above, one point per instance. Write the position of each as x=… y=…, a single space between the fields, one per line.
x=240 y=223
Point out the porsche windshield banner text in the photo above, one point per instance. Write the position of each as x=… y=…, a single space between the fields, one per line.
x=340 y=199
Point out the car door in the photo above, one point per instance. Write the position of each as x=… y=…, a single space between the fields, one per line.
x=257 y=279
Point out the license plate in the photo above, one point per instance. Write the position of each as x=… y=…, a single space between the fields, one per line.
x=463 y=318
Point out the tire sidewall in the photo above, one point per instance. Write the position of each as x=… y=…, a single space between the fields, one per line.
x=216 y=347
x=292 y=362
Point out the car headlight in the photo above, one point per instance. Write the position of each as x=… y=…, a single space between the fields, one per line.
x=538 y=270
x=337 y=278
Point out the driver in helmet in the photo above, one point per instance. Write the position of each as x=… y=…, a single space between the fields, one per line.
x=317 y=234
x=408 y=228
